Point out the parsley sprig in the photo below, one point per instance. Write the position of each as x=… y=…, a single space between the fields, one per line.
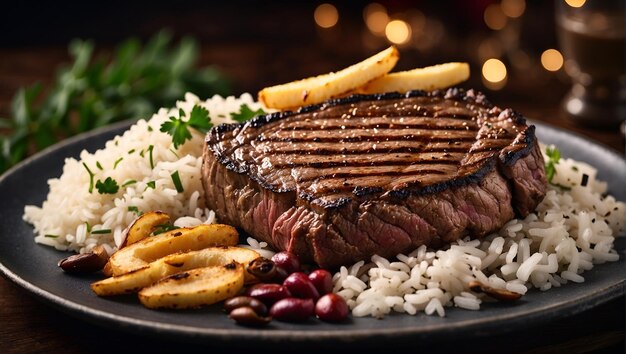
x=178 y=127
x=131 y=83
x=554 y=156
x=108 y=186
x=245 y=113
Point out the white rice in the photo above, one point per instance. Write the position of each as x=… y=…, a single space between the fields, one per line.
x=570 y=232
x=70 y=210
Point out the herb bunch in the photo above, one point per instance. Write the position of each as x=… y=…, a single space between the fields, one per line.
x=93 y=92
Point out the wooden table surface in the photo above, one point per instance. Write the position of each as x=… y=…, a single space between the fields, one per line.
x=28 y=325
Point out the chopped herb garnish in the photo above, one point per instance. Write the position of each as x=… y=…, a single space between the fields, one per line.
x=108 y=186
x=554 y=155
x=574 y=168
x=129 y=182
x=117 y=162
x=245 y=113
x=50 y=236
x=141 y=153
x=150 y=148
x=179 y=129
x=91 y=176
x=135 y=210
x=585 y=180
x=151 y=184
x=159 y=229
x=177 y=183
x=150 y=128
x=88 y=227
x=174 y=152
x=98 y=165
x=131 y=151
x=101 y=232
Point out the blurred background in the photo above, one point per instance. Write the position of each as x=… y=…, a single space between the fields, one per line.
x=258 y=43
x=242 y=46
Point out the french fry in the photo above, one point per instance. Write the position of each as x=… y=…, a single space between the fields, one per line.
x=323 y=87
x=194 y=288
x=428 y=78
x=140 y=254
x=179 y=262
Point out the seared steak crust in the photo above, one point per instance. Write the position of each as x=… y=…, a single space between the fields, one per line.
x=374 y=174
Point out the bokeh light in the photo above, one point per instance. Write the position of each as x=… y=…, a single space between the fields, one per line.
x=376 y=18
x=326 y=15
x=513 y=8
x=494 y=74
x=575 y=3
x=398 y=32
x=494 y=17
x=552 y=60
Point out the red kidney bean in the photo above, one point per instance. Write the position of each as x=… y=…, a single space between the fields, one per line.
x=287 y=260
x=280 y=275
x=299 y=285
x=323 y=281
x=268 y=293
x=292 y=309
x=248 y=317
x=331 y=308
x=245 y=301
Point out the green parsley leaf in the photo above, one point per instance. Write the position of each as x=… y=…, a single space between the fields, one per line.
x=246 y=113
x=108 y=186
x=151 y=184
x=179 y=128
x=199 y=119
x=51 y=236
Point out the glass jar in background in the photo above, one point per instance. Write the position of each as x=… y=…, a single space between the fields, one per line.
x=591 y=35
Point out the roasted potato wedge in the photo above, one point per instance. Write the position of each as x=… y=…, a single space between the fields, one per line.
x=194 y=288
x=323 y=87
x=172 y=264
x=143 y=226
x=428 y=78
x=140 y=254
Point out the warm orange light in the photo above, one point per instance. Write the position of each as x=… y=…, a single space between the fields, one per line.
x=513 y=8
x=398 y=32
x=552 y=60
x=575 y=3
x=326 y=15
x=376 y=18
x=494 y=17
x=494 y=74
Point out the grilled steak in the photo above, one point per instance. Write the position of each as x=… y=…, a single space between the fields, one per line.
x=379 y=174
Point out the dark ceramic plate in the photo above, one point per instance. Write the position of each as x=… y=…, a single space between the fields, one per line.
x=33 y=267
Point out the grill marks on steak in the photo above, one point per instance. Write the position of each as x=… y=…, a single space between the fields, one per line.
x=378 y=174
